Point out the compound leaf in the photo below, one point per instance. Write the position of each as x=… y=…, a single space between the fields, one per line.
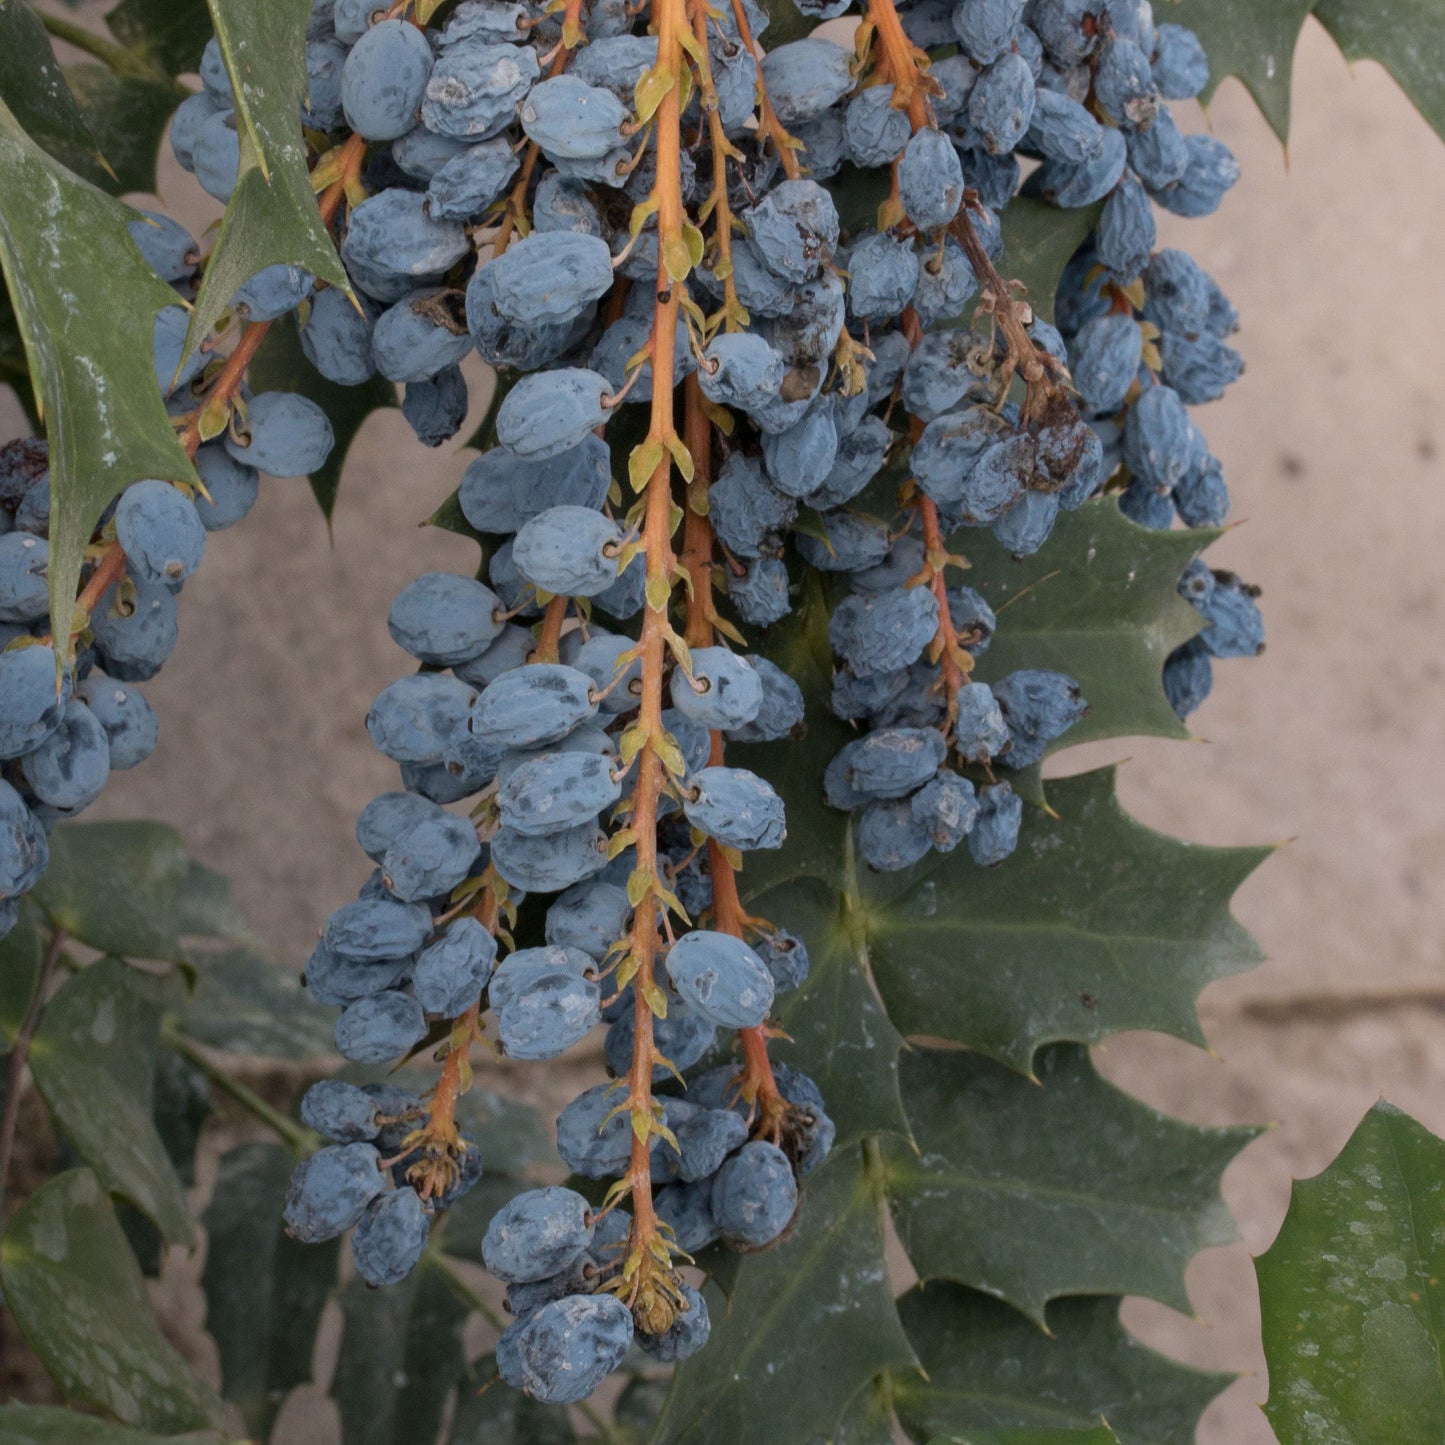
x=170 y=34
x=94 y=1058
x=131 y=112
x=491 y=1413
x=78 y=1297
x=1353 y=1293
x=20 y=954
x=246 y=1003
x=808 y=1323
x=401 y=1356
x=82 y=295
x=264 y=1291
x=117 y=886
x=988 y=1368
x=1069 y=1188
x=1038 y=241
x=272 y=217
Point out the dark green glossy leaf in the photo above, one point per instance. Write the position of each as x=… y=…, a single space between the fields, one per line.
x=264 y=1291
x=1096 y=925
x=205 y=908
x=181 y=1105
x=117 y=886
x=1069 y=1188
x=1252 y=39
x=1038 y=240
x=1099 y=603
x=401 y=1356
x=490 y=1412
x=272 y=217
x=131 y=112
x=1102 y=1436
x=245 y=1003
x=1407 y=37
x=14 y=365
x=639 y=1406
x=281 y=365
x=50 y=1425
x=1353 y=1293
x=838 y=1032
x=34 y=87
x=987 y=1367
x=810 y=1321
x=79 y=1299
x=20 y=954
x=786 y=22
x=84 y=298
x=93 y=1058
x=171 y=33
x=868 y=1419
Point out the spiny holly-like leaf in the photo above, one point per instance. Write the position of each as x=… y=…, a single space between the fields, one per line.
x=1252 y=39
x=32 y=85
x=264 y=1291
x=807 y=1324
x=838 y=1033
x=1405 y=36
x=93 y=1058
x=988 y=1368
x=1096 y=925
x=272 y=218
x=281 y=365
x=20 y=952
x=50 y=1425
x=1098 y=603
x=205 y=908
x=401 y=1356
x=131 y=112
x=117 y=886
x=491 y=1413
x=84 y=299
x=1069 y=1188
x=1353 y=1293
x=78 y=1297
x=1038 y=240
x=171 y=34
x=246 y=1003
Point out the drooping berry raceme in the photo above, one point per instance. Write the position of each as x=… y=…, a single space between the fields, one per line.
x=630 y=270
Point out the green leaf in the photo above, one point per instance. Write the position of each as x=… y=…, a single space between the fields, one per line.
x=1100 y=604
x=264 y=1291
x=84 y=299
x=205 y=909
x=810 y=1321
x=1352 y=1293
x=1095 y=926
x=117 y=886
x=988 y=1368
x=1405 y=36
x=272 y=217
x=93 y=1058
x=492 y=1413
x=34 y=87
x=840 y=1035
x=131 y=112
x=79 y=1299
x=1102 y=1436
x=401 y=1356
x=14 y=366
x=171 y=33
x=1252 y=39
x=50 y=1425
x=20 y=955
x=245 y=1003
x=787 y=23
x=281 y=365
x=1038 y=241
x=1069 y=1188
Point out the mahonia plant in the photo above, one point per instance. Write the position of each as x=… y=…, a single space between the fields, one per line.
x=632 y=214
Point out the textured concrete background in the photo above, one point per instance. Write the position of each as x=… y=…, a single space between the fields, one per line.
x=1335 y=738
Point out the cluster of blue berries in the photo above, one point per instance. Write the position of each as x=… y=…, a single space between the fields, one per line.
x=67 y=723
